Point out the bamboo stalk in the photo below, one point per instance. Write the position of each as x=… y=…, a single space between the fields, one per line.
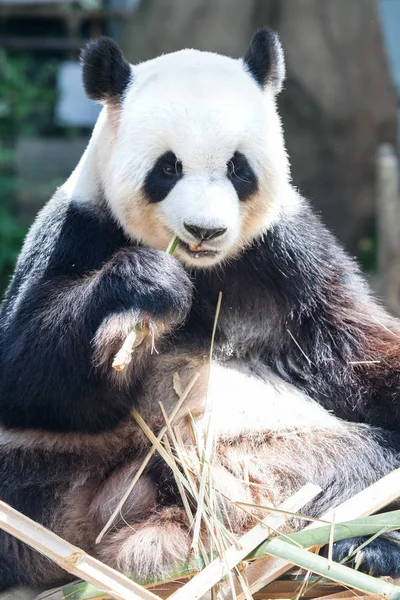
x=125 y=353
x=76 y=590
x=160 y=448
x=331 y=570
x=215 y=571
x=261 y=572
x=71 y=558
x=307 y=538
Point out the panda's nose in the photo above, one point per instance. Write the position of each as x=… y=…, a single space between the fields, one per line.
x=204 y=233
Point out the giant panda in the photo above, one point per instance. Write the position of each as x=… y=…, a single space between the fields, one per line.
x=304 y=381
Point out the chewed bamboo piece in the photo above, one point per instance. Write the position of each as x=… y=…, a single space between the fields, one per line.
x=71 y=558
x=137 y=335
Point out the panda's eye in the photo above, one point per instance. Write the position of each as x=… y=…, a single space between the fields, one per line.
x=172 y=168
x=237 y=165
x=161 y=179
x=241 y=175
x=169 y=169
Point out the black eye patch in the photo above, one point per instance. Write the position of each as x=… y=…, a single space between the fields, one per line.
x=242 y=176
x=166 y=173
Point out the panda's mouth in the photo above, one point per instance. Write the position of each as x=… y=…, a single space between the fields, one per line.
x=197 y=251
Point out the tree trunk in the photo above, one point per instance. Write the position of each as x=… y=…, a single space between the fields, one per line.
x=338 y=105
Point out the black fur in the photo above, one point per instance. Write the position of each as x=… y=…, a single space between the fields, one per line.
x=75 y=270
x=165 y=174
x=295 y=284
x=242 y=176
x=106 y=73
x=379 y=557
x=30 y=481
x=264 y=59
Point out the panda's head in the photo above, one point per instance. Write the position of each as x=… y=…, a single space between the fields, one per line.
x=193 y=145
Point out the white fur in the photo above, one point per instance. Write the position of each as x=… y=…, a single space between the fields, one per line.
x=243 y=403
x=83 y=185
x=203 y=107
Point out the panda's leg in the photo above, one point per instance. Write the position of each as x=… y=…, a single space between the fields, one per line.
x=148 y=550
x=22 y=566
x=146 y=538
x=151 y=541
x=10 y=573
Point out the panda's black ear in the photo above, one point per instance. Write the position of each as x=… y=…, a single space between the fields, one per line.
x=106 y=73
x=264 y=59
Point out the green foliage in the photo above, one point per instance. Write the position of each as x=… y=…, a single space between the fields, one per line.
x=367 y=251
x=90 y=4
x=11 y=237
x=12 y=233
x=27 y=96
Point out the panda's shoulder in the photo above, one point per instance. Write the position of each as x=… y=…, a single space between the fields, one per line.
x=68 y=238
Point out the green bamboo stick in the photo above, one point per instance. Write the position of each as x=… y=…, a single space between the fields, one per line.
x=172 y=245
x=331 y=570
x=80 y=590
x=319 y=536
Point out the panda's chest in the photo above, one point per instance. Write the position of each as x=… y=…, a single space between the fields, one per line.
x=247 y=321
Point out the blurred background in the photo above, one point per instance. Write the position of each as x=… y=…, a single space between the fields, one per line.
x=340 y=105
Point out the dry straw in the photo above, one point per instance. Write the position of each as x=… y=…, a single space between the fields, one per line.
x=146 y=461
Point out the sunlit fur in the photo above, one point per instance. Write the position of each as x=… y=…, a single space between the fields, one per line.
x=303 y=385
x=203 y=119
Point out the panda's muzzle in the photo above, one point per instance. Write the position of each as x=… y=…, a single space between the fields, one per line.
x=203 y=239
x=204 y=234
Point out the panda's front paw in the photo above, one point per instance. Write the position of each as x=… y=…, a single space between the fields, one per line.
x=380 y=557
x=143 y=294
x=151 y=282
